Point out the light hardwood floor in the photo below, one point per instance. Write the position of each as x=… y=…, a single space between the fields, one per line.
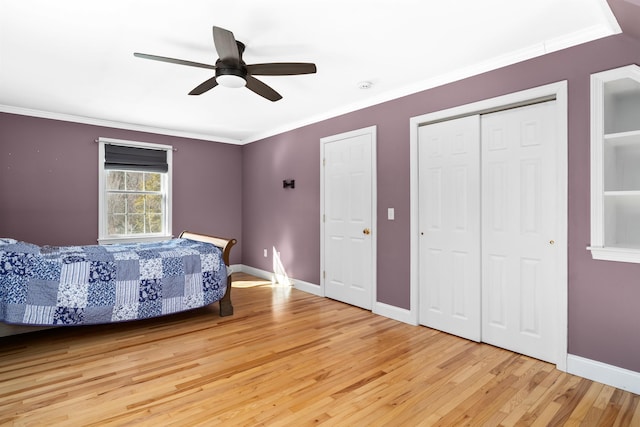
x=287 y=358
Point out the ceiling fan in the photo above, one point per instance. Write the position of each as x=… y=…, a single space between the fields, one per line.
x=232 y=71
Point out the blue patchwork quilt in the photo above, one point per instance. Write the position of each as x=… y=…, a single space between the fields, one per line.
x=73 y=285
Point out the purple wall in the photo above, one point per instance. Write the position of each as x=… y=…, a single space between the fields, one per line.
x=604 y=318
x=49 y=182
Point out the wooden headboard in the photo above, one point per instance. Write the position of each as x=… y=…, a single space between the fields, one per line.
x=221 y=242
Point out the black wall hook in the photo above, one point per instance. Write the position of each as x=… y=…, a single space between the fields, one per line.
x=289 y=184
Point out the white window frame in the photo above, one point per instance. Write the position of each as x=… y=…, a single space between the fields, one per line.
x=103 y=237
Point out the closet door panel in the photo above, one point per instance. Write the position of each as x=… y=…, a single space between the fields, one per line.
x=450 y=226
x=519 y=195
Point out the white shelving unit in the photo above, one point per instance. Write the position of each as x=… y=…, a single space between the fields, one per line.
x=615 y=165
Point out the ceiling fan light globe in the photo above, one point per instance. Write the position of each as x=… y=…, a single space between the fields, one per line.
x=230 y=80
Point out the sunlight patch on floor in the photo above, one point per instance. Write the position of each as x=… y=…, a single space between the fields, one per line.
x=253 y=283
x=279 y=280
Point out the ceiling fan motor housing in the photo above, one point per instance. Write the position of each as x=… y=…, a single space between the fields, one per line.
x=230 y=70
x=229 y=74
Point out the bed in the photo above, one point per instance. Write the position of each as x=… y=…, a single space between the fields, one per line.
x=50 y=286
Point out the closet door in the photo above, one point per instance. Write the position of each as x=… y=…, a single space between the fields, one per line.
x=449 y=162
x=519 y=195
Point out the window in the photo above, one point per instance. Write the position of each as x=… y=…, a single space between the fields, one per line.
x=135 y=191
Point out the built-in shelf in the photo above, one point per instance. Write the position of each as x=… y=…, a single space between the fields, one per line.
x=615 y=165
x=628 y=193
x=623 y=138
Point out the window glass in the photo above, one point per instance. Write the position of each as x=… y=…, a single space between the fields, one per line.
x=152 y=182
x=131 y=209
x=115 y=180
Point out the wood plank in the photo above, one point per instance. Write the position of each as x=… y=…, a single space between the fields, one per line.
x=287 y=358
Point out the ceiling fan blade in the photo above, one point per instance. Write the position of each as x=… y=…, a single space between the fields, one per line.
x=174 y=61
x=226 y=46
x=281 y=69
x=204 y=86
x=262 y=89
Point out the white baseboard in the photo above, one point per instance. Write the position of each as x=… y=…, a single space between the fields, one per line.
x=269 y=275
x=381 y=309
x=603 y=373
x=263 y=274
x=308 y=287
x=395 y=313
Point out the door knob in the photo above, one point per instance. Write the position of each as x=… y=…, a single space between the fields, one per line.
x=366 y=231
x=552 y=242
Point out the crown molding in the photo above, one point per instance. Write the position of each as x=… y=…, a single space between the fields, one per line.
x=114 y=124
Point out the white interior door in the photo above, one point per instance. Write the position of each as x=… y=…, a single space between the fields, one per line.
x=449 y=162
x=348 y=214
x=519 y=258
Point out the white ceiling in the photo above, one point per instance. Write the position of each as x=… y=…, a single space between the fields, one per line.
x=73 y=59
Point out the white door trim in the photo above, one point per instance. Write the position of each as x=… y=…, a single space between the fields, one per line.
x=372 y=132
x=557 y=91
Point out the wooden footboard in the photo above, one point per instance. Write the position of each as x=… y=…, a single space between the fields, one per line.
x=226 y=308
